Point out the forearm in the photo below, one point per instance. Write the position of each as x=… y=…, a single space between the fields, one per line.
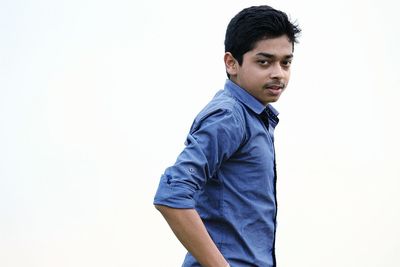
x=191 y=232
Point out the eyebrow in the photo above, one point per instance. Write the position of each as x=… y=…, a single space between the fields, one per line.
x=273 y=56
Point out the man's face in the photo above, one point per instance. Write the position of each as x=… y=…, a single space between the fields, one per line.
x=265 y=70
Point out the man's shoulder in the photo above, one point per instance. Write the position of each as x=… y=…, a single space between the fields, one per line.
x=223 y=112
x=222 y=103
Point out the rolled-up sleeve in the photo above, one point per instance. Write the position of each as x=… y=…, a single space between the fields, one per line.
x=213 y=138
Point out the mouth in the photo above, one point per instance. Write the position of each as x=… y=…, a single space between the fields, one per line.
x=274 y=90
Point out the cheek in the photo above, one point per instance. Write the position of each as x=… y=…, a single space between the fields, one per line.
x=288 y=75
x=248 y=76
x=256 y=74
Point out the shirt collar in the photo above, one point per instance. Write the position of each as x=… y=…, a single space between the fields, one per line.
x=272 y=114
x=248 y=100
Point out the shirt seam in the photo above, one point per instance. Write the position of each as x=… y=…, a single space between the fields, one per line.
x=238 y=108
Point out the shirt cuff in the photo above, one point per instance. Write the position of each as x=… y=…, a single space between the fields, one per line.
x=174 y=194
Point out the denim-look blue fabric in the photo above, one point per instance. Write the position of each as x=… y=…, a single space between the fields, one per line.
x=227 y=173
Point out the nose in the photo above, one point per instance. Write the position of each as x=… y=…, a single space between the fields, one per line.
x=276 y=71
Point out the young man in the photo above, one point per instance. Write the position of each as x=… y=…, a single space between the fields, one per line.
x=219 y=197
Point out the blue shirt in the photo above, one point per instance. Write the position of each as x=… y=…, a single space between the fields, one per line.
x=227 y=173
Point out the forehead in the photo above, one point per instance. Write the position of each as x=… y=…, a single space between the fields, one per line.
x=279 y=46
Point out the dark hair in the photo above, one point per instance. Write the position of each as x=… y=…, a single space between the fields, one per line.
x=256 y=23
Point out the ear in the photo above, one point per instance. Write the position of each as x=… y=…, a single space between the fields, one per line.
x=230 y=64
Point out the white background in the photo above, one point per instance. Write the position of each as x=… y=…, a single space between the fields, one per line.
x=96 y=98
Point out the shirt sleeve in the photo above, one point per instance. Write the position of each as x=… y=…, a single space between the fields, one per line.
x=212 y=139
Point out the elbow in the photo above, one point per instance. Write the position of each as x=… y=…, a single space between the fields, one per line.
x=165 y=210
x=160 y=208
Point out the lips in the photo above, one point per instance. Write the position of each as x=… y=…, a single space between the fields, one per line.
x=274 y=84
x=274 y=89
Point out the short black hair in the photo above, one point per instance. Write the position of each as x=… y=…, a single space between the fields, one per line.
x=256 y=23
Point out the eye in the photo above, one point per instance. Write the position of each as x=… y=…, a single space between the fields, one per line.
x=263 y=62
x=286 y=63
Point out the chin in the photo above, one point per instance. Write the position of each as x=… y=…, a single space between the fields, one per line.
x=273 y=100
